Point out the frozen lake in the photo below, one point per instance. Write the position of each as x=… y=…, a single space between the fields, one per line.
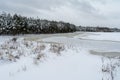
x=81 y=39
x=81 y=56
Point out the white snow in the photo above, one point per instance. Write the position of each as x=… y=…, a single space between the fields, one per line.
x=113 y=36
x=4 y=38
x=74 y=62
x=72 y=65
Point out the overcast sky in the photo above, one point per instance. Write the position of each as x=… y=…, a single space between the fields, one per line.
x=78 y=12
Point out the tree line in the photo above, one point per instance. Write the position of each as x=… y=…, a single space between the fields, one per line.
x=17 y=24
x=97 y=29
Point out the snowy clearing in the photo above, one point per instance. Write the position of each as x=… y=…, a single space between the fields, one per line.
x=71 y=56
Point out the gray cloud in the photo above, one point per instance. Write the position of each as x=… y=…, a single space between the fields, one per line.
x=79 y=12
x=83 y=6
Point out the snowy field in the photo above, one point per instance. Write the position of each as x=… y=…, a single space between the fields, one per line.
x=68 y=56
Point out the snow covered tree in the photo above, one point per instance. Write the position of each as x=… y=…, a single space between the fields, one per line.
x=17 y=24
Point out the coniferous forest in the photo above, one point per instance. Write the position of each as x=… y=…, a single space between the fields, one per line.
x=17 y=24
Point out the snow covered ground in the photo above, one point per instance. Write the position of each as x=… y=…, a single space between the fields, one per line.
x=70 y=56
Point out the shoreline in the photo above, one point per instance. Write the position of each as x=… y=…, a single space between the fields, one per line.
x=105 y=54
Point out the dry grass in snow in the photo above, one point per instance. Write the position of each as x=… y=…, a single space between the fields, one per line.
x=15 y=48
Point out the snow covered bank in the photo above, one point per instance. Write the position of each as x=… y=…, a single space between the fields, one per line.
x=58 y=58
x=72 y=64
x=4 y=38
x=13 y=49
